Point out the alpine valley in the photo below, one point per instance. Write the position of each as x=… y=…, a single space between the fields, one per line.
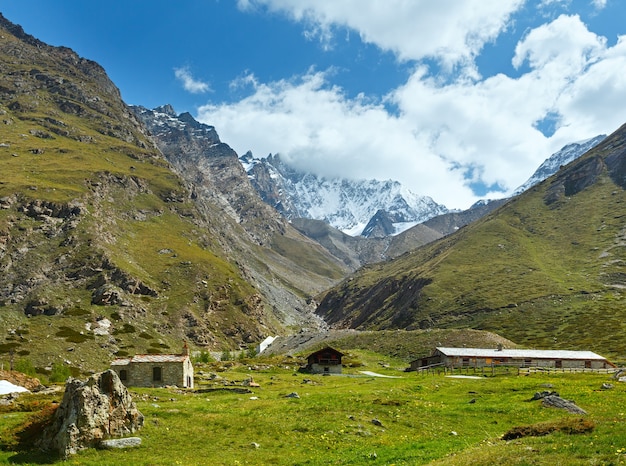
x=127 y=230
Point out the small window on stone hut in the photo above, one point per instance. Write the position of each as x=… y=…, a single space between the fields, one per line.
x=156 y=374
x=123 y=375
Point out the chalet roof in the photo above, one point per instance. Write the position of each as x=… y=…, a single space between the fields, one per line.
x=151 y=358
x=324 y=350
x=520 y=353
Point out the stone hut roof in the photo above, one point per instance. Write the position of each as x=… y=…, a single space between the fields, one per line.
x=154 y=358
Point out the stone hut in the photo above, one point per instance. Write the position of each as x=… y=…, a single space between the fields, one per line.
x=325 y=361
x=155 y=370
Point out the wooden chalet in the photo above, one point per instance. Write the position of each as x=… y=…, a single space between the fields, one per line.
x=324 y=361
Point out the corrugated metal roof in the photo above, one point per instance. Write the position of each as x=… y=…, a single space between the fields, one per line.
x=151 y=358
x=520 y=353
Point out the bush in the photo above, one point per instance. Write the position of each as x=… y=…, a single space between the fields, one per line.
x=204 y=357
x=59 y=373
x=25 y=366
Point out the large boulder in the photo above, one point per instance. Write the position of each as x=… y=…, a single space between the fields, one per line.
x=90 y=412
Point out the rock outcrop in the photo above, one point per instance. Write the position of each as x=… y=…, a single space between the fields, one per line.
x=91 y=412
x=555 y=401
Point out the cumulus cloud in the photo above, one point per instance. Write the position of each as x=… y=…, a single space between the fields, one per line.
x=190 y=84
x=451 y=31
x=443 y=135
x=315 y=127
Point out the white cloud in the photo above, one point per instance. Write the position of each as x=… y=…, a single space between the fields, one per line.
x=599 y=4
x=189 y=83
x=315 y=127
x=595 y=100
x=451 y=31
x=565 y=43
x=445 y=134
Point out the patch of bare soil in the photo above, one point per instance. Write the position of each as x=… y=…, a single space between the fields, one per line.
x=23 y=380
x=567 y=426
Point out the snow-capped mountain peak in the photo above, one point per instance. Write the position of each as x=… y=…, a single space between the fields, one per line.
x=348 y=205
x=561 y=158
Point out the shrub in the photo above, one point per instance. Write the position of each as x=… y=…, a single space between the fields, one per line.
x=25 y=366
x=27 y=433
x=203 y=357
x=59 y=373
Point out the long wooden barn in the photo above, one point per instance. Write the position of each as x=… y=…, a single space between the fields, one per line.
x=483 y=357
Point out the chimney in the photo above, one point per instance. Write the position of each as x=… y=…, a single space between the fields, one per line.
x=185 y=349
x=500 y=347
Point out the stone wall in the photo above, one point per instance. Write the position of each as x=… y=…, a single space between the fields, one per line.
x=141 y=374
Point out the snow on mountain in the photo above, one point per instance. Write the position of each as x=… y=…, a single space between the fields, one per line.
x=348 y=205
x=552 y=164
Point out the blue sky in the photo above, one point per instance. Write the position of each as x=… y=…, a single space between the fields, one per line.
x=457 y=99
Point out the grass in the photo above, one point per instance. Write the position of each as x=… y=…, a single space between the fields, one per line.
x=424 y=419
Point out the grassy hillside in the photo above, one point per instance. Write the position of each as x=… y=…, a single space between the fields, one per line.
x=544 y=270
x=103 y=252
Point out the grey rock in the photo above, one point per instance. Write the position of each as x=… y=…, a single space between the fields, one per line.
x=127 y=442
x=90 y=412
x=543 y=394
x=555 y=401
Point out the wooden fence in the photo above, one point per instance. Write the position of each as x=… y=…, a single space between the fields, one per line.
x=440 y=369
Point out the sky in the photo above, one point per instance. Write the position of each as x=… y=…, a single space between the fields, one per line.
x=459 y=100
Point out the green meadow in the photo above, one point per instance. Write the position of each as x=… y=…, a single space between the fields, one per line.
x=355 y=418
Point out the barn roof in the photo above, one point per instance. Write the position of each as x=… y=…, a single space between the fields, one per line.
x=520 y=353
x=151 y=358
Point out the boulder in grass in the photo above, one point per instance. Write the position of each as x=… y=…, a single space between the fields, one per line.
x=90 y=412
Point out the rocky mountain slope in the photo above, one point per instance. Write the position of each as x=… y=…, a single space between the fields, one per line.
x=302 y=198
x=105 y=249
x=282 y=263
x=545 y=269
x=348 y=205
x=559 y=159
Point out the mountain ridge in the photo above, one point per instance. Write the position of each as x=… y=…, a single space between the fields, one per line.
x=552 y=164
x=536 y=270
x=347 y=205
x=261 y=241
